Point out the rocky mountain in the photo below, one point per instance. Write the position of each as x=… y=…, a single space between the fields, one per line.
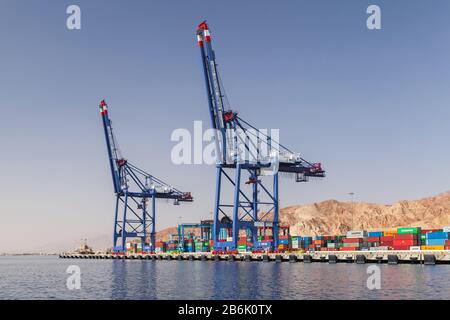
x=332 y=217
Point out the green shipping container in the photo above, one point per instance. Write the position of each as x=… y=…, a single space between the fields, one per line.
x=242 y=246
x=408 y=230
x=423 y=237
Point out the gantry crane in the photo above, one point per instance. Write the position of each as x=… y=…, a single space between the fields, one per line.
x=134 y=188
x=263 y=157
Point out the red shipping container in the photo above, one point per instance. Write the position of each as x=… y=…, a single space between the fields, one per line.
x=405 y=236
x=351 y=240
x=400 y=247
x=386 y=243
x=447 y=242
x=446 y=247
x=349 y=249
x=283 y=237
x=323 y=249
x=373 y=239
x=404 y=243
x=386 y=238
x=424 y=231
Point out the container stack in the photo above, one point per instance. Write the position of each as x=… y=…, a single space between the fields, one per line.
x=160 y=246
x=374 y=239
x=307 y=241
x=334 y=243
x=297 y=243
x=318 y=243
x=435 y=240
x=406 y=238
x=283 y=243
x=264 y=241
x=189 y=245
x=201 y=245
x=172 y=246
x=355 y=240
x=243 y=244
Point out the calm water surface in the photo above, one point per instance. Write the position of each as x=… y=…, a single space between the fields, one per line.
x=45 y=278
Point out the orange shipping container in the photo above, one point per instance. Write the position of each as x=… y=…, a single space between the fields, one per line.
x=390 y=233
x=432 y=247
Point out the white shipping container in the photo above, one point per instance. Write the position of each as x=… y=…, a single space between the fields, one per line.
x=382 y=248
x=446 y=229
x=229 y=239
x=415 y=248
x=357 y=234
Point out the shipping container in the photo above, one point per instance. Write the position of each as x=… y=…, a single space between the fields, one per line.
x=437 y=235
x=373 y=238
x=424 y=231
x=351 y=245
x=414 y=230
x=406 y=236
x=348 y=249
x=375 y=234
x=446 y=229
x=352 y=240
x=404 y=243
x=432 y=247
x=400 y=247
x=389 y=233
x=357 y=234
x=380 y=248
x=435 y=242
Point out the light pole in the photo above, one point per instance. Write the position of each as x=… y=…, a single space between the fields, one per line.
x=353 y=207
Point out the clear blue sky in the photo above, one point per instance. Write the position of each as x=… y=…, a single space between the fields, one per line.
x=372 y=106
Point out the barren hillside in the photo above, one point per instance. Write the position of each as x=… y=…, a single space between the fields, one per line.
x=333 y=217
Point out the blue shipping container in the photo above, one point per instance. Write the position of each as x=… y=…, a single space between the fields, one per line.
x=435 y=242
x=437 y=235
x=375 y=234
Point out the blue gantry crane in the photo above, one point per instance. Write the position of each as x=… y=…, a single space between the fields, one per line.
x=134 y=216
x=239 y=146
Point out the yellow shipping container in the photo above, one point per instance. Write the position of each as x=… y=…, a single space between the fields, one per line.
x=390 y=233
x=432 y=247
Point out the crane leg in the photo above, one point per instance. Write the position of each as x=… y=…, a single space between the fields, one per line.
x=152 y=235
x=115 y=223
x=124 y=236
x=275 y=211
x=236 y=204
x=216 y=225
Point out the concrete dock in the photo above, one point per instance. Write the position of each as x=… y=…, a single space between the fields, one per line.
x=360 y=257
